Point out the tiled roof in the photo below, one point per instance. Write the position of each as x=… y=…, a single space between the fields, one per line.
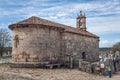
x=36 y=20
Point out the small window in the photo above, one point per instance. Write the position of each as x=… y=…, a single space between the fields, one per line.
x=16 y=41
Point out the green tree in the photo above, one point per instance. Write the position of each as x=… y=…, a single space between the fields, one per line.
x=116 y=47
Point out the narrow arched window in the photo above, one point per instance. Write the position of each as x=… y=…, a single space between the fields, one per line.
x=83 y=55
x=16 y=41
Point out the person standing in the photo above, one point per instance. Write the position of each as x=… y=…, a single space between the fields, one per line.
x=102 y=68
x=109 y=72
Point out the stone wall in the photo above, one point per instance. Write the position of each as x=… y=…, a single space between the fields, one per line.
x=36 y=44
x=84 y=66
x=41 y=44
x=89 y=67
x=75 y=45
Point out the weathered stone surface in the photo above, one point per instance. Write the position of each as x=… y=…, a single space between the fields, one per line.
x=85 y=66
x=23 y=60
x=76 y=45
x=33 y=56
x=41 y=43
x=20 y=56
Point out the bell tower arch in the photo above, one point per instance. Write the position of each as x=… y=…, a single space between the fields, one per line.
x=81 y=21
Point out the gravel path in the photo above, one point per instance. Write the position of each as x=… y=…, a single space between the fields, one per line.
x=8 y=73
x=114 y=77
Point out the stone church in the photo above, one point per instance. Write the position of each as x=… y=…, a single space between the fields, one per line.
x=38 y=41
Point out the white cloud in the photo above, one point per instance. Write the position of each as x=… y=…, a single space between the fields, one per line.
x=102 y=16
x=102 y=25
x=64 y=8
x=108 y=43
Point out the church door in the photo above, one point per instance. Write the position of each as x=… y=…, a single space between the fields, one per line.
x=83 y=55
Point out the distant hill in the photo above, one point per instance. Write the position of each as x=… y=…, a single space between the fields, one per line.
x=104 y=49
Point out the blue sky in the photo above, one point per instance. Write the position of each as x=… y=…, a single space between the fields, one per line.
x=103 y=16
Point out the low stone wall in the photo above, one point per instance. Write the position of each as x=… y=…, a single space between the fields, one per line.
x=6 y=60
x=88 y=67
x=95 y=67
x=84 y=66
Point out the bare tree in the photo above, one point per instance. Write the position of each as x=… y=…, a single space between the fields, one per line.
x=5 y=40
x=116 y=47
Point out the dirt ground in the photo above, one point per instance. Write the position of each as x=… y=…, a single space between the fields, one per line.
x=7 y=73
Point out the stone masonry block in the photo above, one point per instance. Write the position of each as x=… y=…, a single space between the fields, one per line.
x=26 y=56
x=33 y=56
x=23 y=60
x=20 y=56
x=30 y=60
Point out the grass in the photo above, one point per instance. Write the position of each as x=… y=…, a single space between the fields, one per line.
x=4 y=57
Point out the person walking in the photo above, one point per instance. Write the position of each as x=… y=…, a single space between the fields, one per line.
x=102 y=68
x=109 y=72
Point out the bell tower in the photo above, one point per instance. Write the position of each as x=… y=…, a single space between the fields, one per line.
x=81 y=21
